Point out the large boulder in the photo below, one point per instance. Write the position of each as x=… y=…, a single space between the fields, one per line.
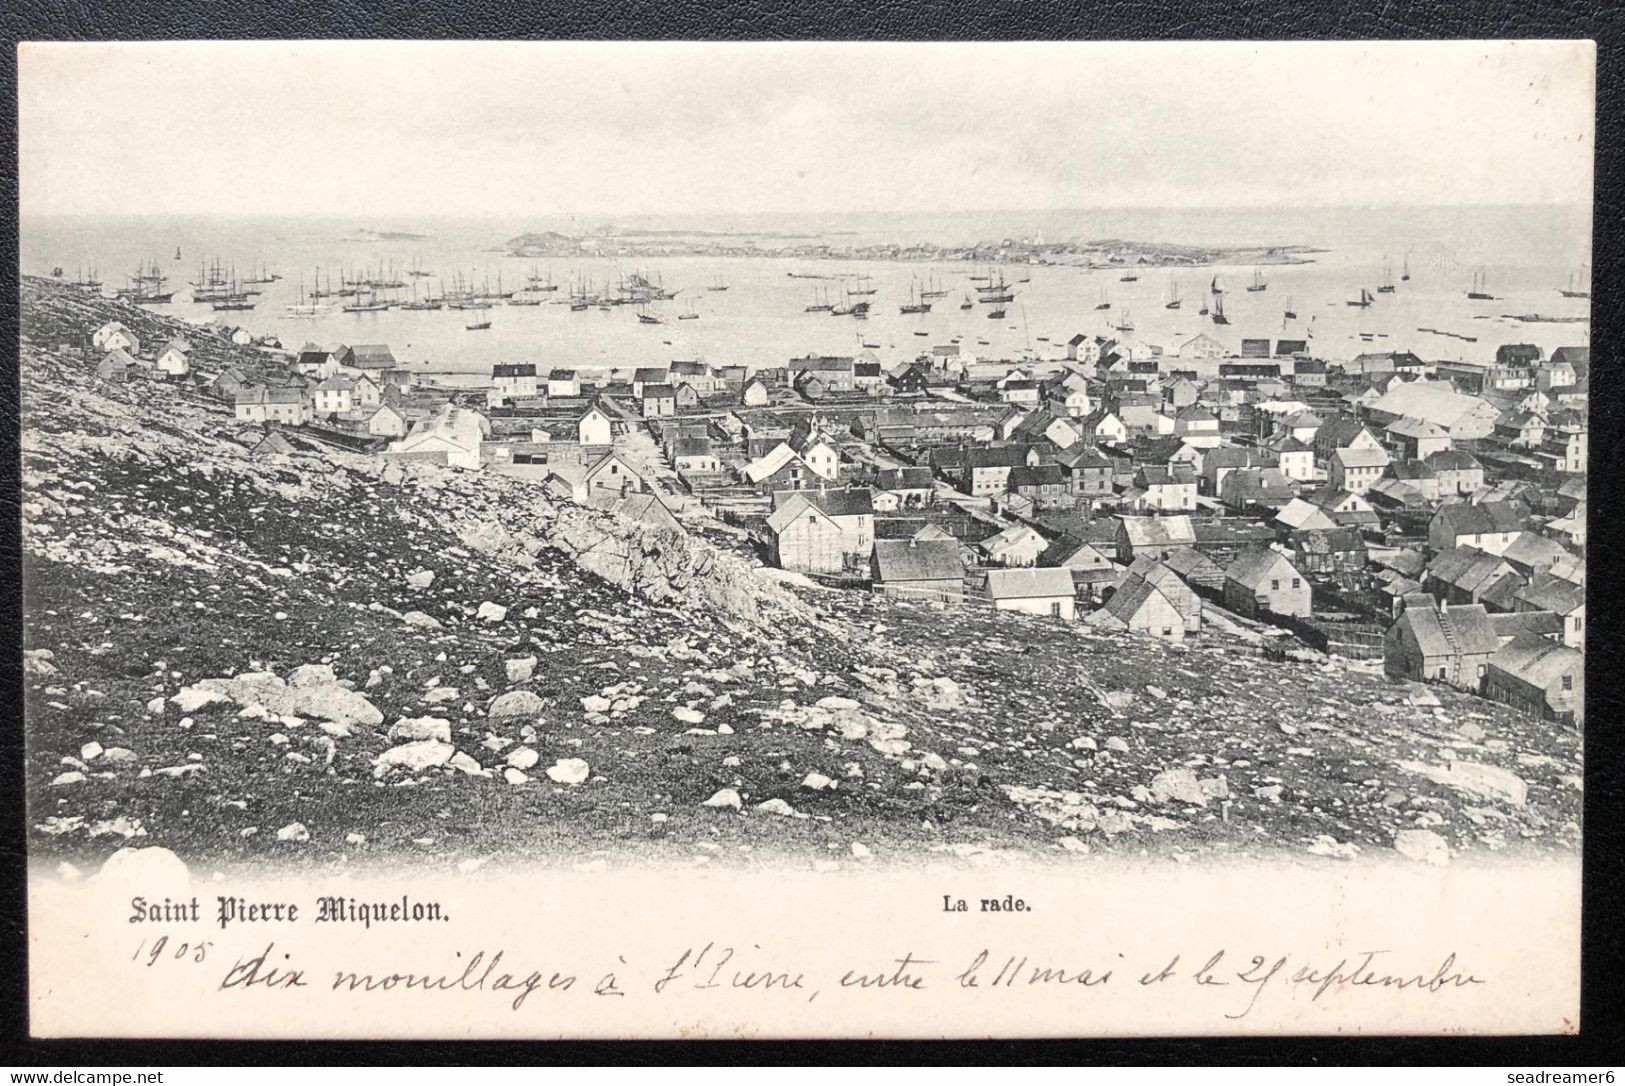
x=337 y=704
x=516 y=703
x=414 y=757
x=410 y=729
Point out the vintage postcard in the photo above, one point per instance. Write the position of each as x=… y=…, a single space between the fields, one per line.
x=536 y=540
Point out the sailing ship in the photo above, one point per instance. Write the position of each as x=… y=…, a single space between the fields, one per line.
x=1479 y=293
x=1127 y=323
x=1365 y=299
x=416 y=270
x=1214 y=287
x=91 y=283
x=689 y=314
x=1203 y=311
x=1406 y=276
x=1105 y=302
x=1289 y=314
x=542 y=284
x=1129 y=277
x=1258 y=285
x=646 y=317
x=516 y=299
x=368 y=303
x=820 y=303
x=996 y=314
x=997 y=290
x=477 y=326
x=426 y=302
x=1218 y=310
x=717 y=285
x=860 y=310
x=265 y=275
x=1574 y=291
x=1387 y=286
x=934 y=289
x=234 y=297
x=177 y=252
x=1173 y=294
x=967 y=303
x=861 y=288
x=302 y=309
x=916 y=304
x=147 y=286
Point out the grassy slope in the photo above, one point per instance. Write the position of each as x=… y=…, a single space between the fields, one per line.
x=157 y=554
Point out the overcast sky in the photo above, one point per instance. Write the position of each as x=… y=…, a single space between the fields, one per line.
x=412 y=129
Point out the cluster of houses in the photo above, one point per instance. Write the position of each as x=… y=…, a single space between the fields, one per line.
x=1431 y=515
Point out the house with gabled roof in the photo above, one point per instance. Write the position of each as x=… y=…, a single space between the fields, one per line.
x=175 y=359
x=387 y=421
x=1088 y=472
x=1563 y=598
x=822 y=531
x=1256 y=488
x=595 y=426
x=1538 y=677
x=1173 y=585
x=1154 y=536
x=1016 y=545
x=1343 y=433
x=115 y=366
x=1489 y=526
x=115 y=336
x=1355 y=470
x=563 y=384
x=1139 y=606
x=1466 y=574
x=755 y=393
x=1038 y=591
x=263 y=403
x=1448 y=643
x=1457 y=471
x=1219 y=462
x=1262 y=579
x=928 y=568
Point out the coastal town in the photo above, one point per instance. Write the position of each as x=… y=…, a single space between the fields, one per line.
x=1425 y=519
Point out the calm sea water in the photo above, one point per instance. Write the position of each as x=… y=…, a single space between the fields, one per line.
x=1524 y=253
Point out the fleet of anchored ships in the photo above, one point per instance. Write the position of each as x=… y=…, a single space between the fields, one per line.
x=382 y=288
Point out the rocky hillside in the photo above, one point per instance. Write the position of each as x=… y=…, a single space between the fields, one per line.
x=325 y=656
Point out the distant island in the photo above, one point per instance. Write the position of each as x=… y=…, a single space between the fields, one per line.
x=386 y=235
x=1102 y=253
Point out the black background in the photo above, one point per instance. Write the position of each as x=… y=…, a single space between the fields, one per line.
x=1602 y=1005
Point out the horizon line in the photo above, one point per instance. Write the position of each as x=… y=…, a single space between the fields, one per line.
x=692 y=213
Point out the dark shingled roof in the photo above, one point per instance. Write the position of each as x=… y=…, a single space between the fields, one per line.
x=918 y=560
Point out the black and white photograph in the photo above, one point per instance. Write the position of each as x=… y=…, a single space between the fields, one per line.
x=700 y=479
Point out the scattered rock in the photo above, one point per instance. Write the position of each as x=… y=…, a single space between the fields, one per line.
x=193 y=698
x=725 y=797
x=492 y=612
x=568 y=771
x=516 y=703
x=415 y=757
x=293 y=831
x=523 y=758
x=816 y=782
x=423 y=578
x=312 y=675
x=409 y=729
x=145 y=867
x=520 y=671
x=1424 y=846
x=776 y=807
